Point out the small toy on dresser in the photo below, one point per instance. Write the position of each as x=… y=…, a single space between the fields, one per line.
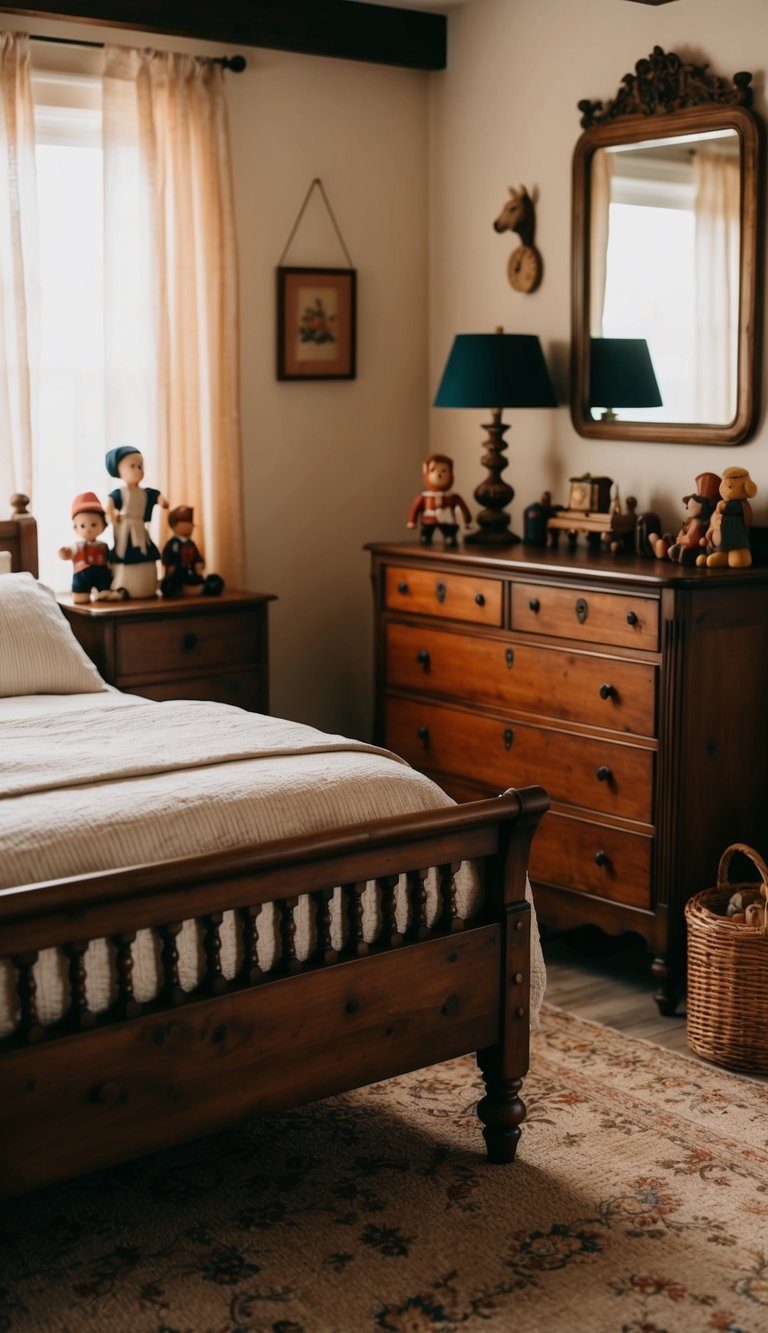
x=727 y=538
x=438 y=504
x=92 y=570
x=129 y=509
x=182 y=562
x=686 y=546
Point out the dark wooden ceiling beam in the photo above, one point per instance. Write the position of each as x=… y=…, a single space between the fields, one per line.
x=374 y=33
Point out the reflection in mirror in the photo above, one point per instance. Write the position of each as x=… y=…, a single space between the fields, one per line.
x=666 y=197
x=664 y=264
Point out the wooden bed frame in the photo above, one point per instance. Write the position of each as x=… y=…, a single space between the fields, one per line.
x=94 y=1090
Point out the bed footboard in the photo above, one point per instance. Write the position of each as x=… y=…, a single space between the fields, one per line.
x=97 y=1088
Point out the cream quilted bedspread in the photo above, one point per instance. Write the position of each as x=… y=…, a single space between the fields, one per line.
x=95 y=788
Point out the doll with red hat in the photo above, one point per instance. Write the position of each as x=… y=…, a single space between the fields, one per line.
x=699 y=507
x=92 y=576
x=129 y=509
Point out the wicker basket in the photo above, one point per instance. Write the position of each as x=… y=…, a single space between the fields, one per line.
x=727 y=976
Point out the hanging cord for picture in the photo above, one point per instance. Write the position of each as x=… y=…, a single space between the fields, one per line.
x=317 y=183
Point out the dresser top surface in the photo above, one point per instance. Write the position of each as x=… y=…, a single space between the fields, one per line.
x=579 y=562
x=229 y=600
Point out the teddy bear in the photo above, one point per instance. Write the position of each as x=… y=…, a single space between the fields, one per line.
x=699 y=507
x=726 y=541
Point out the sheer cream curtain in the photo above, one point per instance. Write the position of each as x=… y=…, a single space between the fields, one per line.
x=600 y=180
x=171 y=288
x=19 y=273
x=718 y=231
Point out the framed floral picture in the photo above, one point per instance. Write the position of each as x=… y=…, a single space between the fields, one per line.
x=316 y=323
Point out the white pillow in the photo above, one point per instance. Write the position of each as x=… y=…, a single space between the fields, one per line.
x=39 y=654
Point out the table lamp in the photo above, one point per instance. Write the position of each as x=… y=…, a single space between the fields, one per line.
x=508 y=370
x=621 y=375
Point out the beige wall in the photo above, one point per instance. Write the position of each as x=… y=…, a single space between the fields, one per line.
x=504 y=113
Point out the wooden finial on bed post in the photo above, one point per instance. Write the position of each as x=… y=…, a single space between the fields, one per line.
x=19 y=505
x=23 y=541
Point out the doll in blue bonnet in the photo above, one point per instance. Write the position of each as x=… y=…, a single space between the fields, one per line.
x=129 y=508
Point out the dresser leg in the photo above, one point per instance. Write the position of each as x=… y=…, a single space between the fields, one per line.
x=670 y=986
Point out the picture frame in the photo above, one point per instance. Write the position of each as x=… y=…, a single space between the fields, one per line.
x=316 y=323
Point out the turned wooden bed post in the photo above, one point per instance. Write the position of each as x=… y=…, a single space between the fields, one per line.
x=503 y=1066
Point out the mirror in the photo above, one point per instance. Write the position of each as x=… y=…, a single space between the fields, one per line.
x=665 y=228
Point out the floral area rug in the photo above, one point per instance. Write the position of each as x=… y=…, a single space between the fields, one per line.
x=638 y=1204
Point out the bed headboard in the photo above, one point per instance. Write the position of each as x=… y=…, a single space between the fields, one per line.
x=18 y=534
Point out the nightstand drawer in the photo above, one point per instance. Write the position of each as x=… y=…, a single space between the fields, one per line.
x=186 y=641
x=245 y=689
x=454 y=596
x=550 y=682
x=593 y=859
x=602 y=775
x=628 y=621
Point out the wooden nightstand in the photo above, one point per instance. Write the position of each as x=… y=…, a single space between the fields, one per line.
x=191 y=648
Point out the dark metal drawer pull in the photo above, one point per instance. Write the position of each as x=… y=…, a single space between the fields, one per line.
x=189 y=642
x=423 y=735
x=440 y=591
x=582 y=609
x=509 y=657
x=423 y=659
x=480 y=598
x=603 y=773
x=402 y=587
x=601 y=858
x=631 y=617
x=534 y=605
x=607 y=692
x=509 y=736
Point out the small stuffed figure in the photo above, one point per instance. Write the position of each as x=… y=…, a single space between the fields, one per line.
x=437 y=504
x=129 y=509
x=727 y=538
x=699 y=507
x=92 y=576
x=182 y=562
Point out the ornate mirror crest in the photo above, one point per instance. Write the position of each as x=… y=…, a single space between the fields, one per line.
x=663 y=82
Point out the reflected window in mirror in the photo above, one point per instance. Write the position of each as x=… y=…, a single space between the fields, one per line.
x=678 y=200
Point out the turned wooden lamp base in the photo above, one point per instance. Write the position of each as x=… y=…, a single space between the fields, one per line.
x=493 y=494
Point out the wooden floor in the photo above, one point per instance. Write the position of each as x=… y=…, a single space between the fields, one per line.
x=608 y=980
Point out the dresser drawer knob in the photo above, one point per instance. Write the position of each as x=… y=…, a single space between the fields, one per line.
x=607 y=692
x=480 y=598
x=402 y=587
x=509 y=657
x=509 y=736
x=423 y=735
x=189 y=642
x=601 y=858
x=440 y=591
x=582 y=609
x=423 y=659
x=631 y=617
x=534 y=605
x=603 y=773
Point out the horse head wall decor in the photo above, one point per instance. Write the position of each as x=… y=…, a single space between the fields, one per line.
x=518 y=215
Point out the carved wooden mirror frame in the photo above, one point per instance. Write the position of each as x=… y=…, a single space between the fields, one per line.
x=667 y=97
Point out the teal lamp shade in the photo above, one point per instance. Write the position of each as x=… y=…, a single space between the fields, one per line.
x=495 y=370
x=621 y=374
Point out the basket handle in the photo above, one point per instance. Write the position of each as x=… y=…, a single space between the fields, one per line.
x=758 y=863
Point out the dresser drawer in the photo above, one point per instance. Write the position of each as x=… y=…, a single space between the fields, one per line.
x=194 y=641
x=592 y=859
x=453 y=596
x=601 y=775
x=244 y=689
x=551 y=682
x=628 y=621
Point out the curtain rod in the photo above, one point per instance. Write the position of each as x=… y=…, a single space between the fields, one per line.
x=234 y=63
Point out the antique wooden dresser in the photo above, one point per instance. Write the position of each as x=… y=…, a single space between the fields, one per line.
x=634 y=690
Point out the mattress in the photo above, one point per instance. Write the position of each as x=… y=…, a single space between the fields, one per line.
x=137 y=781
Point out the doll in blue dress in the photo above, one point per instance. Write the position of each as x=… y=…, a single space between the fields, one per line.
x=129 y=508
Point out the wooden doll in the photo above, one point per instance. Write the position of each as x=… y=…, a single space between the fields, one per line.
x=437 y=505
x=129 y=509
x=92 y=571
x=182 y=562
